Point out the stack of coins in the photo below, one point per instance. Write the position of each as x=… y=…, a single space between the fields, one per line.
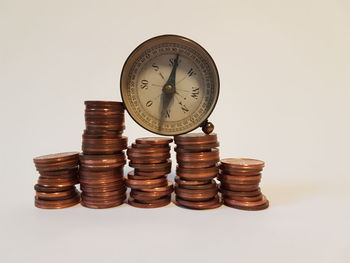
x=240 y=178
x=197 y=158
x=150 y=158
x=101 y=163
x=56 y=184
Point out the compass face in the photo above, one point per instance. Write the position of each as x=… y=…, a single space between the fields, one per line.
x=169 y=85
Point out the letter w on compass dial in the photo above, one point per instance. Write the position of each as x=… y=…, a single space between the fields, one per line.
x=170 y=89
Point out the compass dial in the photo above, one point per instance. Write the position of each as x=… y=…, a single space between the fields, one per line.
x=169 y=85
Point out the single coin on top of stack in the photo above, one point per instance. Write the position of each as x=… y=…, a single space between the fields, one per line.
x=197 y=157
x=240 y=178
x=55 y=188
x=150 y=158
x=101 y=163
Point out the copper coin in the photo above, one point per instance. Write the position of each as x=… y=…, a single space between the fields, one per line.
x=92 y=174
x=96 y=199
x=182 y=182
x=131 y=175
x=151 y=167
x=96 y=162
x=151 y=183
x=241 y=172
x=149 y=175
x=195 y=138
x=197 y=174
x=108 y=125
x=103 y=109
x=58 y=204
x=99 y=103
x=152 y=174
x=229 y=179
x=242 y=163
x=195 y=165
x=240 y=187
x=118 y=192
x=72 y=163
x=135 y=203
x=103 y=114
x=96 y=134
x=233 y=194
x=52 y=189
x=142 y=150
x=154 y=140
x=210 y=204
x=94 y=151
x=164 y=171
x=106 y=141
x=57 y=183
x=247 y=198
x=143 y=147
x=148 y=160
x=105 y=126
x=62 y=176
x=103 y=205
x=102 y=159
x=87 y=189
x=56 y=157
x=141 y=195
x=196 y=195
x=102 y=184
x=103 y=167
x=56 y=195
x=113 y=120
x=161 y=200
x=105 y=147
x=72 y=172
x=154 y=155
x=165 y=188
x=196 y=147
x=212 y=156
x=249 y=206
x=102 y=181
x=55 y=168
x=211 y=185
x=52 y=180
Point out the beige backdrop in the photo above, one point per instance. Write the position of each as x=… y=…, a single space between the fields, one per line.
x=285 y=98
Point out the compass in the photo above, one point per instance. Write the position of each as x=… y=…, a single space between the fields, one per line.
x=170 y=85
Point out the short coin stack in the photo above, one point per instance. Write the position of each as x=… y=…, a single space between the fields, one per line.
x=56 y=184
x=150 y=158
x=101 y=163
x=197 y=158
x=240 y=178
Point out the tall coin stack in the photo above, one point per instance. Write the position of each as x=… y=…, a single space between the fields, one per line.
x=56 y=184
x=240 y=178
x=150 y=158
x=197 y=158
x=101 y=173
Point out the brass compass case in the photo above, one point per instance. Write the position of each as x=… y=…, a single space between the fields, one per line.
x=169 y=85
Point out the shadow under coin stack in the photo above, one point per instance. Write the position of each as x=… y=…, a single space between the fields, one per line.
x=150 y=158
x=101 y=172
x=56 y=184
x=240 y=180
x=197 y=158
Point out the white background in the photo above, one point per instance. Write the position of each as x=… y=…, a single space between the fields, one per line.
x=285 y=99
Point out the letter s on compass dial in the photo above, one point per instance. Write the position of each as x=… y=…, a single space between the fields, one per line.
x=169 y=85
